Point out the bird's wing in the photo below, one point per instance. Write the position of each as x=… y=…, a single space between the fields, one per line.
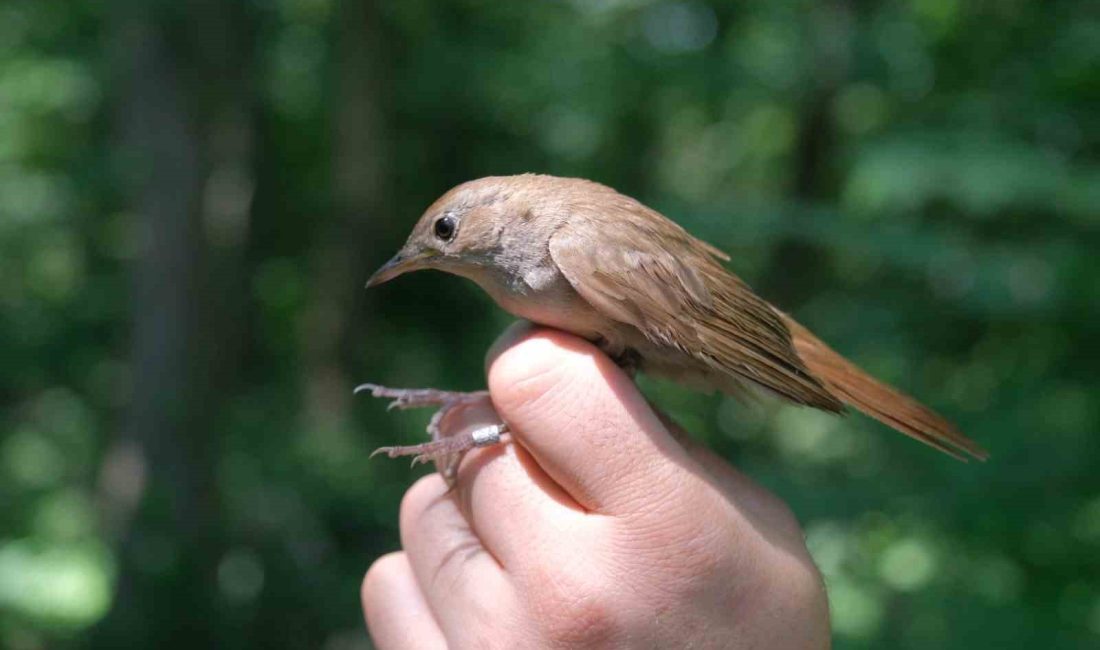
x=653 y=275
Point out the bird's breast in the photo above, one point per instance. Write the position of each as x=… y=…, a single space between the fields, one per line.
x=543 y=296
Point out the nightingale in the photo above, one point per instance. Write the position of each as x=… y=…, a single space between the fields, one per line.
x=578 y=256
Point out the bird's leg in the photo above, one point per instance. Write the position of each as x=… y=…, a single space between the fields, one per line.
x=625 y=357
x=445 y=449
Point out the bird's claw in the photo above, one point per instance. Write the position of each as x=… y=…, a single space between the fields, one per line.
x=410 y=398
x=443 y=449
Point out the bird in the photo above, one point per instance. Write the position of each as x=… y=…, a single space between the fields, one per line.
x=578 y=256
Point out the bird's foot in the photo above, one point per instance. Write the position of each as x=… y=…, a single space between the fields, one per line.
x=446 y=450
x=411 y=398
x=450 y=446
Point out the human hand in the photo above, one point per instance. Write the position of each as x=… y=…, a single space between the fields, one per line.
x=594 y=528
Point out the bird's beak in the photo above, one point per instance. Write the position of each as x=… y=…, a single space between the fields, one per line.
x=401 y=263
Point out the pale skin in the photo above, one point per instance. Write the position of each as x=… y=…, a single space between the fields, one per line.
x=594 y=527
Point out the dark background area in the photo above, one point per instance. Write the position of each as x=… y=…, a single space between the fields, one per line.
x=192 y=195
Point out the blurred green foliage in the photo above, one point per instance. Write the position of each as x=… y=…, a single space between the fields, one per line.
x=192 y=194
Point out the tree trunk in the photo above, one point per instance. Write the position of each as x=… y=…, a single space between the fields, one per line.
x=796 y=264
x=185 y=130
x=335 y=314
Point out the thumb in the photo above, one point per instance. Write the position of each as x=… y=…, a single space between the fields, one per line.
x=585 y=422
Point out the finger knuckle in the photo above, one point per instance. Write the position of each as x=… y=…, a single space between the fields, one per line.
x=580 y=620
x=575 y=608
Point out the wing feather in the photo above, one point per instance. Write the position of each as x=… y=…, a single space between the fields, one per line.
x=653 y=275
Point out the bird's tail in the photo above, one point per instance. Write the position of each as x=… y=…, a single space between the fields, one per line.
x=878 y=400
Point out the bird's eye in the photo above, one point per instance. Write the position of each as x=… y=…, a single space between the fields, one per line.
x=444 y=227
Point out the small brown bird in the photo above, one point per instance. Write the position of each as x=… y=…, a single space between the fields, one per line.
x=578 y=256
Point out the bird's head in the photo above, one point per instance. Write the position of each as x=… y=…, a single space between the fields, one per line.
x=482 y=225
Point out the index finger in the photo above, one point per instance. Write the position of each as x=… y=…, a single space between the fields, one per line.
x=587 y=425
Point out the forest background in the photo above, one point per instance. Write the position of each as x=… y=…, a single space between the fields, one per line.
x=192 y=195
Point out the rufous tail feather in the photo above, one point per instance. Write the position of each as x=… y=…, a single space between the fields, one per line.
x=878 y=400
